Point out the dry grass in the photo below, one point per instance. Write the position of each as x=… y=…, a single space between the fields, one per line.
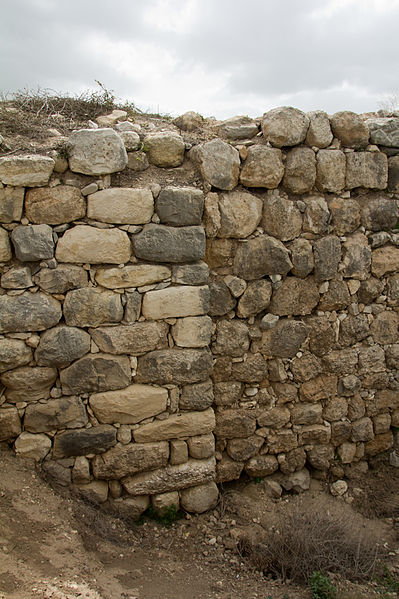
x=308 y=537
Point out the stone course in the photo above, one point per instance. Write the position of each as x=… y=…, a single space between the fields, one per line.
x=239 y=313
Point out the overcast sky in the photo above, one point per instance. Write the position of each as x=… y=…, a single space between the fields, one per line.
x=217 y=57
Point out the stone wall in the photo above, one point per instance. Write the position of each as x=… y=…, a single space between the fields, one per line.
x=165 y=289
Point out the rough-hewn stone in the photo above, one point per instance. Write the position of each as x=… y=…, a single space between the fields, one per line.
x=285 y=126
x=121 y=205
x=302 y=257
x=165 y=148
x=61 y=279
x=366 y=169
x=180 y=206
x=345 y=215
x=28 y=312
x=384 y=131
x=231 y=424
x=176 y=302
x=126 y=460
x=327 y=255
x=284 y=340
x=135 y=339
x=66 y=412
x=33 y=242
x=96 y=152
x=190 y=274
x=316 y=216
x=159 y=243
x=26 y=171
x=84 y=441
x=384 y=260
x=263 y=167
x=300 y=170
x=231 y=338
x=54 y=205
x=197 y=397
x=130 y=405
x=261 y=465
x=5 y=246
x=294 y=297
x=356 y=257
x=17 y=278
x=13 y=353
x=96 y=246
x=350 y=129
x=281 y=217
x=183 y=366
x=11 y=203
x=319 y=133
x=192 y=331
x=378 y=212
x=32 y=446
x=255 y=298
x=90 y=307
x=177 y=426
x=199 y=499
x=238 y=127
x=60 y=346
x=219 y=163
x=331 y=170
x=97 y=372
x=132 y=275
x=261 y=256
x=221 y=300
x=240 y=214
x=28 y=384
x=10 y=423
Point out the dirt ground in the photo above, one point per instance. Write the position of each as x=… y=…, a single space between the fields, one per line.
x=54 y=546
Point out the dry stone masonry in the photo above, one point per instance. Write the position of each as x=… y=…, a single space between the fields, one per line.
x=178 y=308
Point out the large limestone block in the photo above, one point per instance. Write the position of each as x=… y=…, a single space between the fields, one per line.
x=350 y=129
x=284 y=340
x=96 y=246
x=62 y=345
x=66 y=412
x=219 y=163
x=26 y=171
x=238 y=127
x=84 y=441
x=384 y=260
x=10 y=423
x=28 y=384
x=180 y=206
x=33 y=242
x=192 y=331
x=61 y=279
x=331 y=170
x=285 y=126
x=366 y=169
x=97 y=372
x=159 y=243
x=13 y=353
x=176 y=302
x=125 y=460
x=170 y=478
x=281 y=217
x=130 y=405
x=96 y=152
x=232 y=424
x=200 y=499
x=261 y=256
x=255 y=298
x=165 y=148
x=240 y=214
x=300 y=170
x=384 y=132
x=11 y=203
x=319 y=133
x=54 y=205
x=327 y=256
x=32 y=446
x=90 y=307
x=28 y=312
x=132 y=275
x=5 y=247
x=263 y=167
x=135 y=339
x=121 y=206
x=177 y=426
x=295 y=297
x=182 y=366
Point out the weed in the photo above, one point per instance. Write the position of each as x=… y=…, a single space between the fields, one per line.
x=389 y=582
x=167 y=517
x=321 y=586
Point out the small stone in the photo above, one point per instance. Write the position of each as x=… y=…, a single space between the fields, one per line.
x=338 y=488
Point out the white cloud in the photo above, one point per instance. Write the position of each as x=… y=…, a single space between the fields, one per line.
x=171 y=15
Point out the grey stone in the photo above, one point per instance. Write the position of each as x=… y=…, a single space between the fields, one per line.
x=232 y=424
x=54 y=205
x=255 y=298
x=281 y=218
x=231 y=338
x=285 y=126
x=317 y=215
x=135 y=339
x=345 y=215
x=165 y=148
x=295 y=296
x=378 y=212
x=84 y=441
x=221 y=300
x=369 y=290
x=322 y=335
x=384 y=131
x=13 y=353
x=327 y=256
x=17 y=278
x=180 y=206
x=130 y=405
x=336 y=298
x=11 y=203
x=26 y=171
x=331 y=170
x=263 y=167
x=10 y=424
x=159 y=243
x=252 y=370
x=238 y=127
x=240 y=214
x=28 y=384
x=356 y=257
x=200 y=499
x=243 y=449
x=393 y=174
x=66 y=412
x=90 y=307
x=189 y=121
x=131 y=139
x=137 y=161
x=366 y=169
x=182 y=366
x=94 y=373
x=350 y=128
x=96 y=152
x=33 y=242
x=28 y=312
x=121 y=205
x=284 y=340
x=261 y=256
x=196 y=397
x=219 y=163
x=384 y=328
x=61 y=279
x=132 y=307
x=126 y=460
x=319 y=133
x=62 y=345
x=353 y=329
x=302 y=257
x=300 y=170
x=190 y=274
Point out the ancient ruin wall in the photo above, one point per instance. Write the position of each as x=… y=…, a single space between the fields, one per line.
x=252 y=302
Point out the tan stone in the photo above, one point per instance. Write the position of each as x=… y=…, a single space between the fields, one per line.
x=135 y=339
x=281 y=441
x=285 y=126
x=124 y=460
x=10 y=423
x=345 y=215
x=228 y=469
x=243 y=449
x=240 y=214
x=13 y=353
x=132 y=275
x=335 y=409
x=176 y=302
x=261 y=465
x=96 y=152
x=366 y=169
x=384 y=260
x=384 y=328
x=192 y=331
x=300 y=170
x=201 y=447
x=362 y=430
x=274 y=418
x=32 y=446
x=171 y=478
x=96 y=246
x=5 y=247
x=331 y=169
x=163 y=502
x=307 y=413
x=28 y=384
x=90 y=307
x=177 y=426
x=263 y=167
x=317 y=215
x=200 y=499
x=231 y=424
x=350 y=128
x=319 y=133
x=379 y=444
x=121 y=205
x=219 y=163
x=129 y=405
x=314 y=433
x=94 y=492
x=11 y=203
x=165 y=148
x=294 y=297
x=281 y=217
x=26 y=171
x=54 y=205
x=347 y=452
x=321 y=387
x=178 y=452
